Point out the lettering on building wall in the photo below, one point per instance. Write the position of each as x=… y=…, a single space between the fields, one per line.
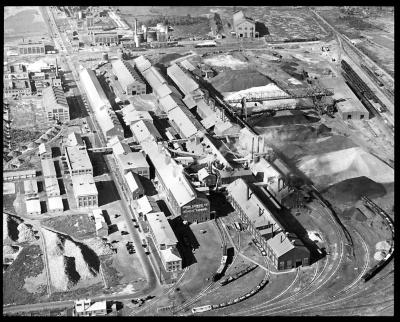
x=198 y=208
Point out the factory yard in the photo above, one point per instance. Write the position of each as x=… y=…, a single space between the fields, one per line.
x=213 y=161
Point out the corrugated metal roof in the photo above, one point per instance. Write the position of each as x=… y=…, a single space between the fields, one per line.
x=126 y=73
x=186 y=64
x=161 y=228
x=183 y=122
x=185 y=83
x=96 y=96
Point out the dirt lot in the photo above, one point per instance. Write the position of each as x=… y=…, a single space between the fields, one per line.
x=23 y=281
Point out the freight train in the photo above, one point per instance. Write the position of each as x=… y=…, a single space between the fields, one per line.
x=237 y=275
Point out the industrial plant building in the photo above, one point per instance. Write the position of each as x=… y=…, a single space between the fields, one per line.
x=52 y=187
x=285 y=252
x=100 y=222
x=31 y=48
x=33 y=207
x=55 y=204
x=184 y=200
x=18 y=175
x=144 y=130
x=16 y=80
x=30 y=188
x=165 y=241
x=108 y=121
x=133 y=161
x=85 y=191
x=105 y=38
x=49 y=170
x=129 y=79
x=244 y=27
x=78 y=161
x=55 y=104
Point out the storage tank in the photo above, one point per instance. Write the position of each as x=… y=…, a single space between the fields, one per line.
x=80 y=14
x=151 y=35
x=144 y=29
x=139 y=38
x=105 y=57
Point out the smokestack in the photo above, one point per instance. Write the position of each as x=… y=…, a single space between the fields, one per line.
x=136 y=31
x=56 y=68
x=252 y=148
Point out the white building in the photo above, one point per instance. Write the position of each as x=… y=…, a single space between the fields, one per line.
x=101 y=225
x=136 y=189
x=135 y=162
x=33 y=207
x=78 y=160
x=30 y=188
x=86 y=307
x=85 y=191
x=165 y=241
x=144 y=130
x=129 y=79
x=52 y=187
x=49 y=170
x=55 y=204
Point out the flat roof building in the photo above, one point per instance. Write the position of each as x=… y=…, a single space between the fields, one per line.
x=55 y=204
x=74 y=139
x=49 y=170
x=129 y=79
x=87 y=307
x=165 y=241
x=55 y=104
x=19 y=174
x=52 y=187
x=78 y=161
x=85 y=191
x=33 y=207
x=135 y=162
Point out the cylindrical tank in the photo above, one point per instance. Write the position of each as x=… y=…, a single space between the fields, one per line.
x=151 y=35
x=138 y=40
x=80 y=14
x=159 y=25
x=105 y=57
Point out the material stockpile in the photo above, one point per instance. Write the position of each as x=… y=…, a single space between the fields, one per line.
x=332 y=167
x=69 y=261
x=10 y=250
x=10 y=229
x=25 y=233
x=99 y=246
x=225 y=61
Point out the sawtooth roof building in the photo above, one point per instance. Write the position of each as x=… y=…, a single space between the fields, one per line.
x=105 y=116
x=129 y=79
x=55 y=104
x=284 y=249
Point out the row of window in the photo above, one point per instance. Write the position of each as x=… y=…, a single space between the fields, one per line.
x=245 y=28
x=82 y=171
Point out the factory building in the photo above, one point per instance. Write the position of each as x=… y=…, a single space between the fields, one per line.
x=184 y=122
x=129 y=79
x=98 y=100
x=105 y=38
x=30 y=188
x=74 y=139
x=182 y=198
x=44 y=151
x=85 y=191
x=146 y=205
x=135 y=162
x=157 y=82
x=134 y=116
x=275 y=182
x=118 y=146
x=243 y=26
x=18 y=175
x=52 y=187
x=265 y=227
x=348 y=105
x=184 y=82
x=55 y=204
x=55 y=104
x=144 y=130
x=165 y=241
x=136 y=189
x=88 y=308
x=16 y=80
x=49 y=170
x=31 y=48
x=33 y=207
x=142 y=63
x=78 y=161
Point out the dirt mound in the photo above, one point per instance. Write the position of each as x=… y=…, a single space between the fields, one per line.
x=10 y=228
x=383 y=246
x=330 y=168
x=10 y=250
x=226 y=61
x=351 y=190
x=379 y=255
x=292 y=132
x=69 y=261
x=237 y=80
x=99 y=246
x=25 y=233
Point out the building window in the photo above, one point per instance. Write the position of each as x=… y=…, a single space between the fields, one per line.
x=361 y=116
x=349 y=116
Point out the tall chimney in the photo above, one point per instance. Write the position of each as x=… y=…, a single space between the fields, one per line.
x=136 y=26
x=56 y=68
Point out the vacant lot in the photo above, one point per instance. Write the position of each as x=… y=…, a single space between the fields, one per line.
x=27 y=265
x=77 y=226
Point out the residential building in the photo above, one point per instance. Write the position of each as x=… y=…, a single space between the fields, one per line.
x=105 y=115
x=85 y=191
x=129 y=79
x=136 y=189
x=165 y=241
x=55 y=104
x=135 y=162
x=264 y=226
x=33 y=207
x=182 y=198
x=243 y=26
x=49 y=170
x=55 y=204
x=101 y=225
x=78 y=161
x=31 y=48
x=52 y=187
x=87 y=307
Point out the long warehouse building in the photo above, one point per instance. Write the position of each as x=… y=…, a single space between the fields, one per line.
x=105 y=116
x=129 y=79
